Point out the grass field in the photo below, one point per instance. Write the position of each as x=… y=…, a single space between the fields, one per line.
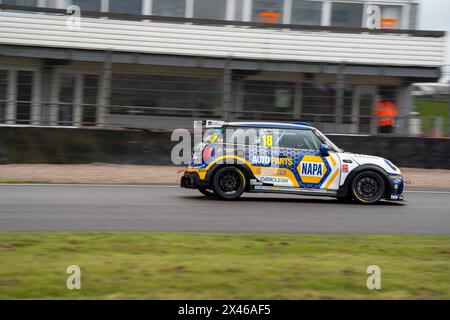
x=223 y=266
x=433 y=108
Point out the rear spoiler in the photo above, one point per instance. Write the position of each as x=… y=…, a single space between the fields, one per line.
x=213 y=123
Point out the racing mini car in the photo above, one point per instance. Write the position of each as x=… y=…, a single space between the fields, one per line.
x=238 y=157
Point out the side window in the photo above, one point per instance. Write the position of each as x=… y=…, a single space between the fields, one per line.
x=243 y=136
x=212 y=135
x=299 y=139
x=261 y=137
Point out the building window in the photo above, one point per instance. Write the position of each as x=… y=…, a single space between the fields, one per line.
x=169 y=8
x=88 y=5
x=390 y=17
x=413 y=12
x=238 y=14
x=66 y=98
x=32 y=3
x=306 y=12
x=183 y=96
x=90 y=93
x=210 y=9
x=128 y=6
x=3 y=95
x=24 y=96
x=267 y=11
x=319 y=102
x=347 y=14
x=276 y=99
x=28 y=3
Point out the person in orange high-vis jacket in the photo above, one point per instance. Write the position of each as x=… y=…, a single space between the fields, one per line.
x=386 y=113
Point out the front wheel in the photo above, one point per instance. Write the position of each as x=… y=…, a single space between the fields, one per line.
x=229 y=183
x=368 y=187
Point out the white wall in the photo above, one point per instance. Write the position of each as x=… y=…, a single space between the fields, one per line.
x=217 y=41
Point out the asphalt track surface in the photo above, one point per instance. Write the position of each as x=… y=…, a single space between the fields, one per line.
x=169 y=208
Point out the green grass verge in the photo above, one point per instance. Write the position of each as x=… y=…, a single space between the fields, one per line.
x=223 y=266
x=433 y=108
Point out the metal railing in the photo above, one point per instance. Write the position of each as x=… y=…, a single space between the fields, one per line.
x=174 y=100
x=160 y=118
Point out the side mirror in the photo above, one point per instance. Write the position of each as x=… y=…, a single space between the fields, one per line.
x=325 y=150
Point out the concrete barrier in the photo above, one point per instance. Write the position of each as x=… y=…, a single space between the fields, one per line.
x=80 y=146
x=20 y=145
x=404 y=152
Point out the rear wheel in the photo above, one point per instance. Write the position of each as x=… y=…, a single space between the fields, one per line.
x=229 y=183
x=368 y=187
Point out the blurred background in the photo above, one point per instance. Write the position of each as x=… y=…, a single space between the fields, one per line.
x=155 y=65
x=95 y=102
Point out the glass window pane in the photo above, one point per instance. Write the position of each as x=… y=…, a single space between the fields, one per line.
x=141 y=94
x=3 y=84
x=319 y=102
x=267 y=11
x=54 y=3
x=246 y=136
x=413 y=16
x=90 y=92
x=299 y=139
x=391 y=17
x=210 y=9
x=32 y=3
x=128 y=6
x=24 y=96
x=318 y=99
x=239 y=10
x=306 y=12
x=275 y=99
x=3 y=94
x=347 y=14
x=169 y=8
x=88 y=5
x=66 y=98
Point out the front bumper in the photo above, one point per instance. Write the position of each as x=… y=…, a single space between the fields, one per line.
x=396 y=184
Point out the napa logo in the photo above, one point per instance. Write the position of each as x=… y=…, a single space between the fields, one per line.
x=312 y=169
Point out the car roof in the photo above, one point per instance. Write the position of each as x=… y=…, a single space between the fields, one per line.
x=277 y=125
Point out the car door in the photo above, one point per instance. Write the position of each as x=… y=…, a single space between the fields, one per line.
x=270 y=164
x=312 y=170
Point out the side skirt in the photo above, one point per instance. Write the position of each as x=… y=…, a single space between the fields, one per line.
x=297 y=191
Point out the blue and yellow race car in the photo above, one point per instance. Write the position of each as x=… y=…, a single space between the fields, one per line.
x=238 y=157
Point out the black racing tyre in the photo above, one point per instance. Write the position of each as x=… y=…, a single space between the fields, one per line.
x=368 y=187
x=229 y=183
x=346 y=199
x=207 y=192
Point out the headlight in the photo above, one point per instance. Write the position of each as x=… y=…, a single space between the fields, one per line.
x=390 y=164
